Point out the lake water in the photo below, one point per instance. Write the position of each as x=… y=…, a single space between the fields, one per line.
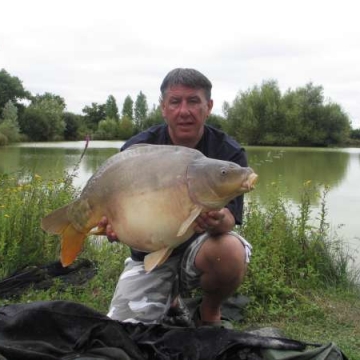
x=337 y=168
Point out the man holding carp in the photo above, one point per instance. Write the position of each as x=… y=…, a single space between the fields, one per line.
x=215 y=258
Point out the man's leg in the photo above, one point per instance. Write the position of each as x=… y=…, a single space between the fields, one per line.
x=222 y=262
x=144 y=297
x=219 y=267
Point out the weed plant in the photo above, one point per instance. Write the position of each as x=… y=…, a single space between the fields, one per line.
x=24 y=200
x=292 y=257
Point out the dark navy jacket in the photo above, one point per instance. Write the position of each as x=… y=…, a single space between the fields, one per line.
x=214 y=144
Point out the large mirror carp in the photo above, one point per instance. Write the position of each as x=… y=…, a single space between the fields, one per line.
x=151 y=195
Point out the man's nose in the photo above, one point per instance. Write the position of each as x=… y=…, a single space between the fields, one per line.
x=184 y=108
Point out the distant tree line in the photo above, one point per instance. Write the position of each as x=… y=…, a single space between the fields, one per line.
x=264 y=116
x=258 y=116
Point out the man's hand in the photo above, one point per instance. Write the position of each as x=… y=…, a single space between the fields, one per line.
x=108 y=230
x=215 y=222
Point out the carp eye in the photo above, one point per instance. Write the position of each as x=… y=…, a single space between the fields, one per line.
x=223 y=172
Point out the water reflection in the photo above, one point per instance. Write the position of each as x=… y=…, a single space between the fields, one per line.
x=56 y=161
x=294 y=166
x=291 y=166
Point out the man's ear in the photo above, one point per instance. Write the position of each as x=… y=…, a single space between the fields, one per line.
x=210 y=105
x=162 y=107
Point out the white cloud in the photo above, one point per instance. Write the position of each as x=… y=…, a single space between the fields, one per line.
x=86 y=50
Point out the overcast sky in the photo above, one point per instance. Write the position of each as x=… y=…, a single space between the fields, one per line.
x=86 y=50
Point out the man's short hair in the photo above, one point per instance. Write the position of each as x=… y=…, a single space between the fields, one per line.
x=186 y=77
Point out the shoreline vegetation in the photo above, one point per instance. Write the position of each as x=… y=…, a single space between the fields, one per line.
x=299 y=280
x=262 y=115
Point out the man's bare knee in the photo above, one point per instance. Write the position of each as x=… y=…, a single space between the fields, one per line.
x=224 y=255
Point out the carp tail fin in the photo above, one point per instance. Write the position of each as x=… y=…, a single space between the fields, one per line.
x=56 y=222
x=156 y=258
x=72 y=242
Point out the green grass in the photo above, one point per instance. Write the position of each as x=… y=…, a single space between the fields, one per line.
x=299 y=278
x=323 y=316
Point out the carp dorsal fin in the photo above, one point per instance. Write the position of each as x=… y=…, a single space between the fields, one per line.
x=156 y=258
x=195 y=212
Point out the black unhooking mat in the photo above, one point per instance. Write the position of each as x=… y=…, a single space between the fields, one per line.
x=66 y=330
x=42 y=277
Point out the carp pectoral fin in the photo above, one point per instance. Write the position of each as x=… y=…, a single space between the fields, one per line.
x=195 y=212
x=71 y=245
x=156 y=258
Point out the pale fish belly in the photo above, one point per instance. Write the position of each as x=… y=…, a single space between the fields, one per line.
x=150 y=221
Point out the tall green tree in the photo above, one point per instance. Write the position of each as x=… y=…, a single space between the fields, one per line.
x=308 y=106
x=140 y=111
x=315 y=122
x=263 y=116
x=35 y=125
x=9 y=126
x=255 y=116
x=93 y=114
x=111 y=109
x=75 y=128
x=217 y=121
x=153 y=118
x=336 y=126
x=11 y=88
x=10 y=112
x=126 y=128
x=43 y=119
x=292 y=121
x=128 y=108
x=50 y=97
x=355 y=134
x=108 y=129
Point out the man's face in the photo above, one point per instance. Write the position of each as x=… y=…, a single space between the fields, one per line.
x=185 y=111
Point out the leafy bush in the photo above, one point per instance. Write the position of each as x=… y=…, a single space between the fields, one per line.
x=10 y=130
x=108 y=129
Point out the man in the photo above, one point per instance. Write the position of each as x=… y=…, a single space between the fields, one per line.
x=214 y=259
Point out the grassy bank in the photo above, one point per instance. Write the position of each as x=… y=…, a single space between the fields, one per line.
x=299 y=278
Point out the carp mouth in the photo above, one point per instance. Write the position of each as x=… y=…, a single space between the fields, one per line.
x=250 y=184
